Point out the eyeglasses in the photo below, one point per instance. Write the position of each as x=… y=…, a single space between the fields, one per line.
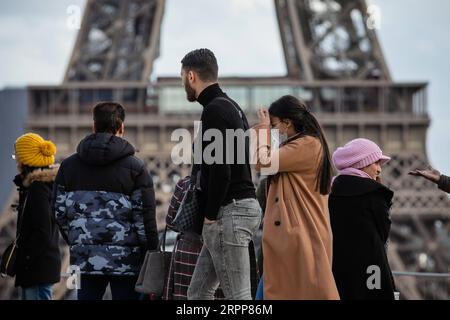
x=273 y=126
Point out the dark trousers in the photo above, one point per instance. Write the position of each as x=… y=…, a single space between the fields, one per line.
x=94 y=287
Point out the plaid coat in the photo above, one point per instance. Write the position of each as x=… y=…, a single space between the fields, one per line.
x=186 y=252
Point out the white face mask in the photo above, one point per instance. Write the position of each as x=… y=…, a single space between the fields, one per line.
x=283 y=138
x=278 y=138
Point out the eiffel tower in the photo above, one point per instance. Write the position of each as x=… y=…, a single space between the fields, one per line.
x=334 y=63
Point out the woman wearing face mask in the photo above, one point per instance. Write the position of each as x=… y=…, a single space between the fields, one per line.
x=297 y=240
x=359 y=209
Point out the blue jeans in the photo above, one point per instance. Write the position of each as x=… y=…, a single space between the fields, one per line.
x=224 y=258
x=40 y=292
x=93 y=287
x=260 y=291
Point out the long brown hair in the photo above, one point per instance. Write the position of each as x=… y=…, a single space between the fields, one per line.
x=290 y=108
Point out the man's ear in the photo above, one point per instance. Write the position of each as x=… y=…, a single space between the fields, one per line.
x=121 y=130
x=192 y=77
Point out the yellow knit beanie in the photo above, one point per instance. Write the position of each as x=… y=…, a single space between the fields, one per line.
x=32 y=150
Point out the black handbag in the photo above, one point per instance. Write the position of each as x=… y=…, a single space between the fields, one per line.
x=188 y=214
x=154 y=271
x=8 y=263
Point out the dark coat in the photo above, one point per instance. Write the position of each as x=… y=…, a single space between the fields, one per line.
x=360 y=220
x=38 y=256
x=444 y=183
x=105 y=207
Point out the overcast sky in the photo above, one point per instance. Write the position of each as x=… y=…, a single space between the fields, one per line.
x=35 y=45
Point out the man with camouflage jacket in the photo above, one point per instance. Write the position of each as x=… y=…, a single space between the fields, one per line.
x=105 y=208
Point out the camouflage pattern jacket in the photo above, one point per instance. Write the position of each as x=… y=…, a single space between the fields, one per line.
x=105 y=207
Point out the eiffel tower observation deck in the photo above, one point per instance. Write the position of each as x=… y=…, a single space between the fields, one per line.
x=334 y=63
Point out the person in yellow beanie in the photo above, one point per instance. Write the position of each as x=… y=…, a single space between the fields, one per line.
x=33 y=151
x=38 y=262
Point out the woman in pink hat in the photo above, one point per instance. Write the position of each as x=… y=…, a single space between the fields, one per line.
x=359 y=210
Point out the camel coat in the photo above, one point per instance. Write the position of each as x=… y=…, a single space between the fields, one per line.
x=297 y=238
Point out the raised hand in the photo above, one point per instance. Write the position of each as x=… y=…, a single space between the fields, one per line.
x=263 y=116
x=428 y=173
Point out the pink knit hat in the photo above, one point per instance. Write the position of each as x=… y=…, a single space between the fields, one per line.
x=358 y=154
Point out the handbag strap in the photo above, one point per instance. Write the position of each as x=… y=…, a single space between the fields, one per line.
x=163 y=246
x=21 y=216
x=194 y=182
x=236 y=108
x=225 y=99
